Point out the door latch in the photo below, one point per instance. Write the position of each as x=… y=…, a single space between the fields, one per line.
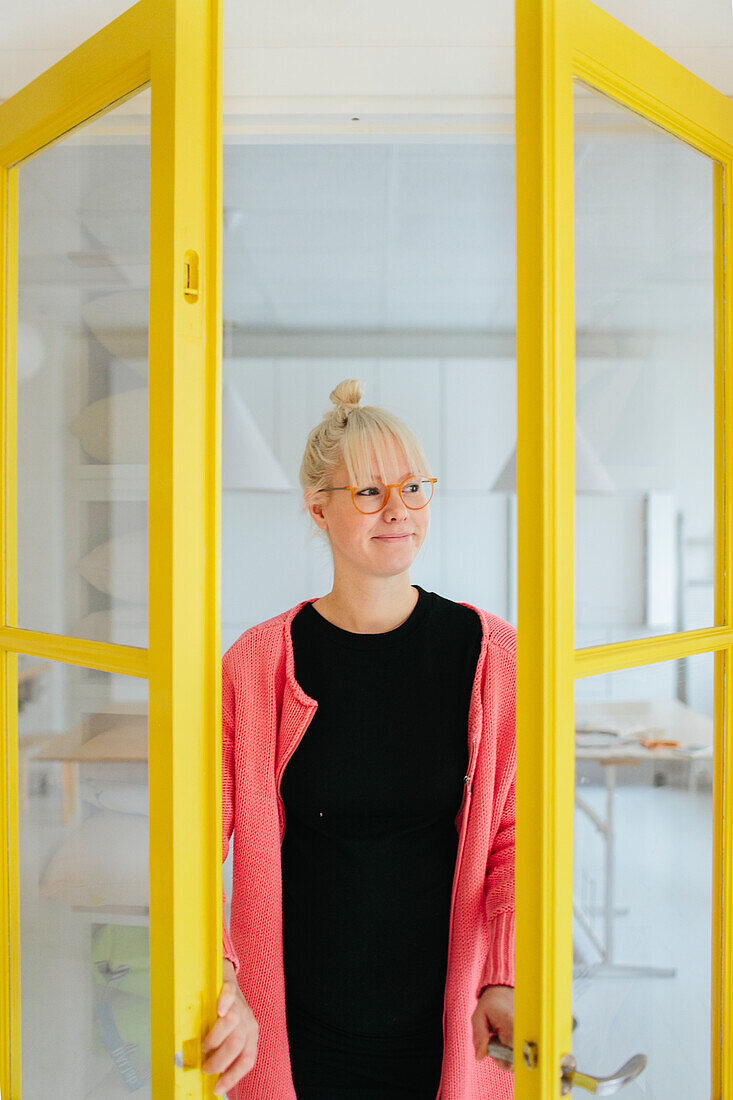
x=191 y=275
x=188 y=1057
x=571 y=1078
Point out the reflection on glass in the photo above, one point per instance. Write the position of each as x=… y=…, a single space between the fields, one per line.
x=84 y=893
x=643 y=875
x=83 y=282
x=644 y=251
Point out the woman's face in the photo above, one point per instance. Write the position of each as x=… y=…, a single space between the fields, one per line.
x=381 y=544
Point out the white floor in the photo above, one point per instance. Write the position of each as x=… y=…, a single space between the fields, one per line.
x=663 y=877
x=60 y=1057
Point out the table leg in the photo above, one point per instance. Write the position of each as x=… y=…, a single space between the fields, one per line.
x=70 y=783
x=607 y=966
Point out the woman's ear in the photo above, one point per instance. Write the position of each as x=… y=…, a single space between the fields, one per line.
x=315 y=508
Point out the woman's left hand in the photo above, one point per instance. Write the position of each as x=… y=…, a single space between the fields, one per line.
x=494 y=1014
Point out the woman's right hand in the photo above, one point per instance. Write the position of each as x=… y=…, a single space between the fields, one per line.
x=232 y=1040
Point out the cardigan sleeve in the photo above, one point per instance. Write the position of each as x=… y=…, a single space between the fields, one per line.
x=498 y=968
x=227 y=773
x=499 y=963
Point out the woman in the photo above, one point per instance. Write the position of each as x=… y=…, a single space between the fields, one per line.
x=372 y=928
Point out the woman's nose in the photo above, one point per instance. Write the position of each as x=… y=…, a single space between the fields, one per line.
x=395 y=504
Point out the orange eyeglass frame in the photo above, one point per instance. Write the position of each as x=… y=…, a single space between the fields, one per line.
x=353 y=488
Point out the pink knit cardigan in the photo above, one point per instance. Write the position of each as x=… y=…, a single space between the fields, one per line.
x=265 y=714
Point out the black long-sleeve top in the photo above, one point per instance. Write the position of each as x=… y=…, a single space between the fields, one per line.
x=370 y=796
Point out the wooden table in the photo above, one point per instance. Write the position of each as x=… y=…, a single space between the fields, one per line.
x=116 y=734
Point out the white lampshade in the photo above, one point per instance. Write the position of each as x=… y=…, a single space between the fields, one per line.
x=31 y=350
x=591 y=476
x=247 y=460
x=119 y=321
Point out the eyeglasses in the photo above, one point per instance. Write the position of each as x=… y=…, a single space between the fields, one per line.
x=415 y=491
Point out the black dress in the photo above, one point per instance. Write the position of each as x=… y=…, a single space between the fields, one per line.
x=370 y=795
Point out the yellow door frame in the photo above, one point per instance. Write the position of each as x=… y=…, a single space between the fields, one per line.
x=175 y=47
x=558 y=41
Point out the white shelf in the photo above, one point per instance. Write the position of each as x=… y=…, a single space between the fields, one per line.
x=109 y=914
x=99 y=481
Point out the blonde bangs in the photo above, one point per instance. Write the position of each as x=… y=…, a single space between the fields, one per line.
x=373 y=441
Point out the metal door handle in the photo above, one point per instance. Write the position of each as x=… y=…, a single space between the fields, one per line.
x=572 y=1079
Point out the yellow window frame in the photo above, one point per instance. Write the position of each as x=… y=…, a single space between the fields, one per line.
x=558 y=41
x=175 y=47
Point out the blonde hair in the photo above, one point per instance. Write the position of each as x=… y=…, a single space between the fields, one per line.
x=360 y=434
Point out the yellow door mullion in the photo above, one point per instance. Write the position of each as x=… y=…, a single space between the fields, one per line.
x=10 y=968
x=596 y=660
x=213 y=326
x=721 y=961
x=720 y=1017
x=105 y=656
x=6 y=873
x=44 y=111
x=620 y=63
x=545 y=465
x=723 y=884
x=8 y=420
x=722 y=924
x=184 y=647
x=10 y=1030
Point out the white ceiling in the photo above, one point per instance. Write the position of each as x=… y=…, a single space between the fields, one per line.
x=384 y=237
x=403 y=232
x=347 y=48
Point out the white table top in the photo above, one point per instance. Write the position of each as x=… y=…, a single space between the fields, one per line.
x=664 y=719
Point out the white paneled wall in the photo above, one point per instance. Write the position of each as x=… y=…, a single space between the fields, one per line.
x=463 y=412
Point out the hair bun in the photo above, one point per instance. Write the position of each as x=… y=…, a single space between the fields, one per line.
x=347 y=395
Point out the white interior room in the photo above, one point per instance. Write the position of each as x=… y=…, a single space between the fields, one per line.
x=369 y=232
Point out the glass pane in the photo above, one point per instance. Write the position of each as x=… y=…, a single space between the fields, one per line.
x=385 y=258
x=84 y=894
x=644 y=294
x=83 y=282
x=643 y=875
x=388 y=255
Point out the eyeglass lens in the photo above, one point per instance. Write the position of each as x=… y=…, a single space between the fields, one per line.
x=415 y=493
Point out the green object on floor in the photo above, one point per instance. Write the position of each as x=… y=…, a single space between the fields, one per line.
x=121 y=971
x=131 y=1015
x=121 y=957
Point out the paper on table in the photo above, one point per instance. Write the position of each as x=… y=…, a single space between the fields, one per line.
x=627 y=730
x=588 y=735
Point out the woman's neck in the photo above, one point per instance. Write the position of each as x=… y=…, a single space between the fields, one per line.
x=368 y=610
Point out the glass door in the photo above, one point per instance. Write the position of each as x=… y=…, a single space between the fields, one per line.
x=625 y=619
x=110 y=896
